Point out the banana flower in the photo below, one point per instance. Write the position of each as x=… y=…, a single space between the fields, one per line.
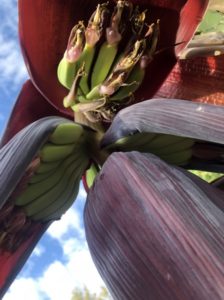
x=44 y=30
x=44 y=153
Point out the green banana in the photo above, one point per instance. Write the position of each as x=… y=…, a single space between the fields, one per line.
x=71 y=98
x=133 y=142
x=53 y=213
x=85 y=61
x=103 y=63
x=50 y=196
x=91 y=174
x=47 y=167
x=66 y=133
x=60 y=204
x=120 y=72
x=178 y=158
x=136 y=76
x=67 y=67
x=162 y=140
x=113 y=83
x=35 y=190
x=183 y=144
x=51 y=152
x=108 y=51
x=94 y=94
x=159 y=144
x=37 y=177
x=133 y=82
x=93 y=34
x=66 y=72
x=173 y=149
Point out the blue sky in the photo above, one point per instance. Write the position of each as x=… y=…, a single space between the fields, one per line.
x=61 y=261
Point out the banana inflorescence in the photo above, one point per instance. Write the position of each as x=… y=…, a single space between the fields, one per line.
x=173 y=149
x=55 y=183
x=97 y=66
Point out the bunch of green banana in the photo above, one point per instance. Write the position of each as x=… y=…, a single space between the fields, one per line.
x=173 y=149
x=45 y=205
x=54 y=186
x=105 y=68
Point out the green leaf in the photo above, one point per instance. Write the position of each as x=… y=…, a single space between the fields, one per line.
x=213 y=21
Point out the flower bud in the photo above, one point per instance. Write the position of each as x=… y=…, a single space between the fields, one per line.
x=153 y=232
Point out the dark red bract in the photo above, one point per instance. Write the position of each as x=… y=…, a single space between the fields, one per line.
x=30 y=106
x=198 y=79
x=150 y=242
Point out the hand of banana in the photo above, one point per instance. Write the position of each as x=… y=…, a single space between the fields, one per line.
x=54 y=154
x=98 y=66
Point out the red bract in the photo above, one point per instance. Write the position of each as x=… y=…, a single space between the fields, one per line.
x=198 y=79
x=30 y=106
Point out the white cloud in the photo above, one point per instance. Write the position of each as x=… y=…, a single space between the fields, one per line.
x=70 y=245
x=59 y=280
x=12 y=68
x=9 y=16
x=24 y=289
x=82 y=269
x=70 y=220
x=38 y=250
x=11 y=62
x=82 y=193
x=56 y=282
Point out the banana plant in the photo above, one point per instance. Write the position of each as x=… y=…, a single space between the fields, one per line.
x=97 y=64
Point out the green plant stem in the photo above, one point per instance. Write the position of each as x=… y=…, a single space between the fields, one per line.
x=93 y=145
